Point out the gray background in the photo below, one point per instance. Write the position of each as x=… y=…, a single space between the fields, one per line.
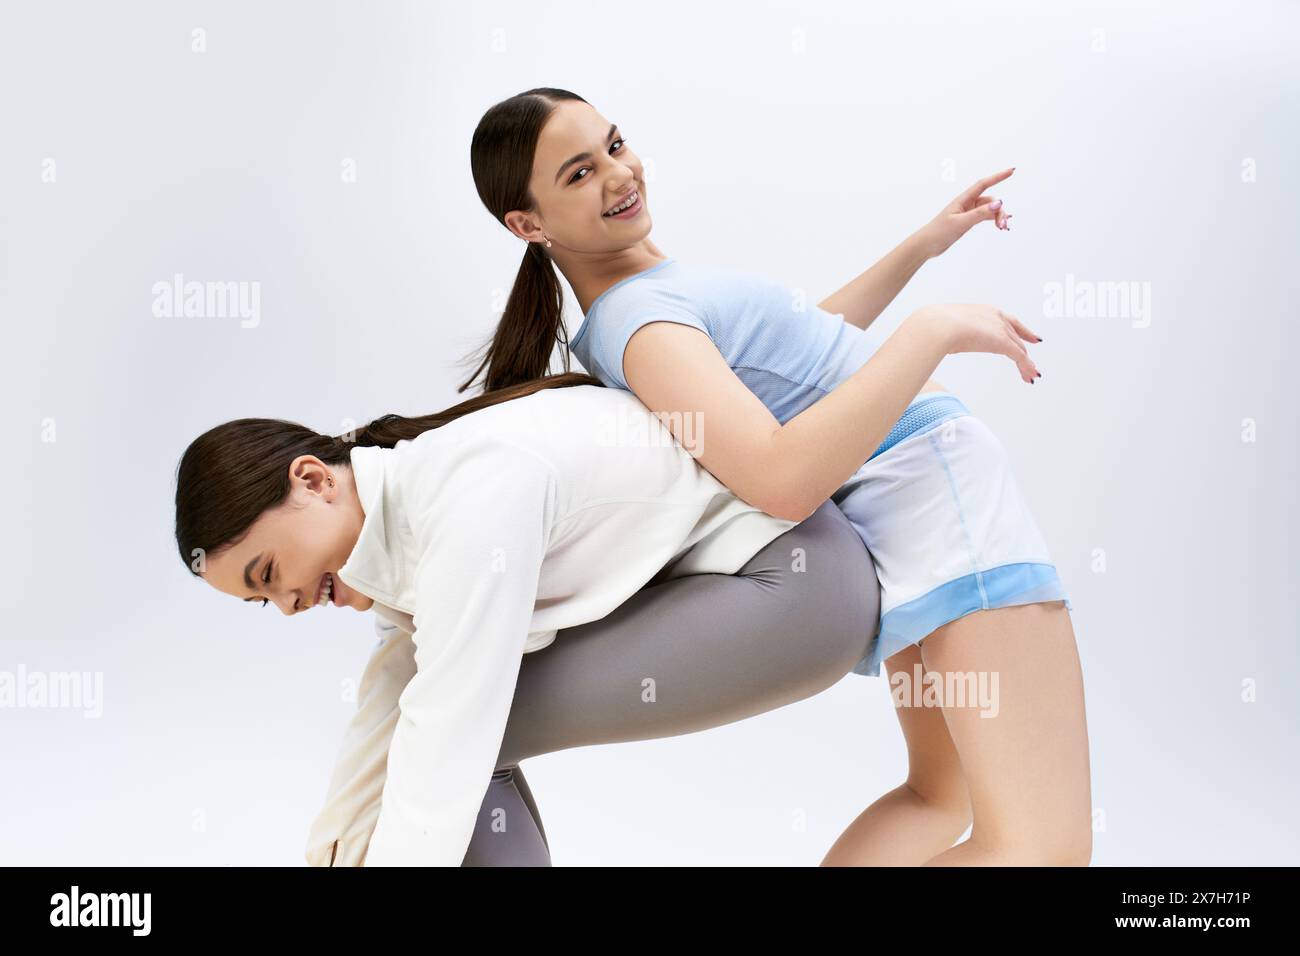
x=801 y=140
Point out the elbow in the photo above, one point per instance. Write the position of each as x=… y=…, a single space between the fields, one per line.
x=781 y=491
x=787 y=507
x=800 y=511
x=785 y=484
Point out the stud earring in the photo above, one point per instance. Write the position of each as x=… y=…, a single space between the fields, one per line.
x=548 y=243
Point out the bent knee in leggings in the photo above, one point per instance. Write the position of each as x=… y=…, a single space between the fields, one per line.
x=829 y=590
x=508 y=830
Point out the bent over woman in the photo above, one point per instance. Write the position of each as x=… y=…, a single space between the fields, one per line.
x=567 y=573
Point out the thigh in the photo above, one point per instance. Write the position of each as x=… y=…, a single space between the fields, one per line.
x=704 y=650
x=1024 y=742
x=683 y=655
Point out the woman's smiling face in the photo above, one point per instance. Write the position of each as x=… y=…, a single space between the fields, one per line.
x=582 y=169
x=287 y=553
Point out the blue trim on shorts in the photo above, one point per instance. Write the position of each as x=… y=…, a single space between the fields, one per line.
x=1006 y=586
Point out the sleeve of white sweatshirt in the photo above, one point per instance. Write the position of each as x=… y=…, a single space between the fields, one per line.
x=341 y=831
x=481 y=512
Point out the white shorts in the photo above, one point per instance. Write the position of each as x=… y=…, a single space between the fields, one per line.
x=943 y=518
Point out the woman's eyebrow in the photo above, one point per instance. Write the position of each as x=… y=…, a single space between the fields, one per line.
x=582 y=157
x=248 y=580
x=248 y=567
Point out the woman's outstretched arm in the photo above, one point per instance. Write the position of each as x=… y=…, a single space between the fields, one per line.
x=788 y=470
x=863 y=299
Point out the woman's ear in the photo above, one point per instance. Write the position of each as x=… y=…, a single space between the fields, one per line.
x=523 y=225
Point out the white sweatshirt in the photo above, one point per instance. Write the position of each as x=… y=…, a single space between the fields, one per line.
x=481 y=540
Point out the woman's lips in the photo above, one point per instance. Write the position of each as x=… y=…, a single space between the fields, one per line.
x=631 y=211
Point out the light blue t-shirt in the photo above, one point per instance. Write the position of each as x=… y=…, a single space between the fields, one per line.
x=789 y=353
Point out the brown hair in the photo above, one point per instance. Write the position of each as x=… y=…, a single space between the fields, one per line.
x=501 y=160
x=232 y=473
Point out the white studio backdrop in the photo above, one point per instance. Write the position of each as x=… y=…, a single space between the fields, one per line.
x=320 y=154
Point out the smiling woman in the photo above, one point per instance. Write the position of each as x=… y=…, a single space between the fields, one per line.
x=802 y=407
x=532 y=571
x=287 y=554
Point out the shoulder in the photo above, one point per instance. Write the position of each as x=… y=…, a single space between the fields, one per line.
x=539 y=436
x=445 y=451
x=610 y=332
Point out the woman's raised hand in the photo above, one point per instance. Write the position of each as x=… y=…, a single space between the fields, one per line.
x=963 y=212
x=981 y=328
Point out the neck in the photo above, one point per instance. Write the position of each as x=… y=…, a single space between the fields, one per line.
x=351 y=499
x=357 y=516
x=590 y=275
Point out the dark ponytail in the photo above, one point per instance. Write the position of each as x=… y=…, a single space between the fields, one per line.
x=234 y=472
x=501 y=160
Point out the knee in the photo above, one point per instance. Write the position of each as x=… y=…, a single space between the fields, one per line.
x=949 y=799
x=1076 y=850
x=820 y=596
x=1065 y=848
x=1071 y=850
x=836 y=579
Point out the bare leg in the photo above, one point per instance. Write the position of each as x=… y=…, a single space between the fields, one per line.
x=1027 y=767
x=927 y=812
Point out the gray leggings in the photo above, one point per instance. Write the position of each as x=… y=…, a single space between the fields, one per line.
x=715 y=648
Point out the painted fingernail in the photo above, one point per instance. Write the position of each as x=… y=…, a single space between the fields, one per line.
x=996 y=204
